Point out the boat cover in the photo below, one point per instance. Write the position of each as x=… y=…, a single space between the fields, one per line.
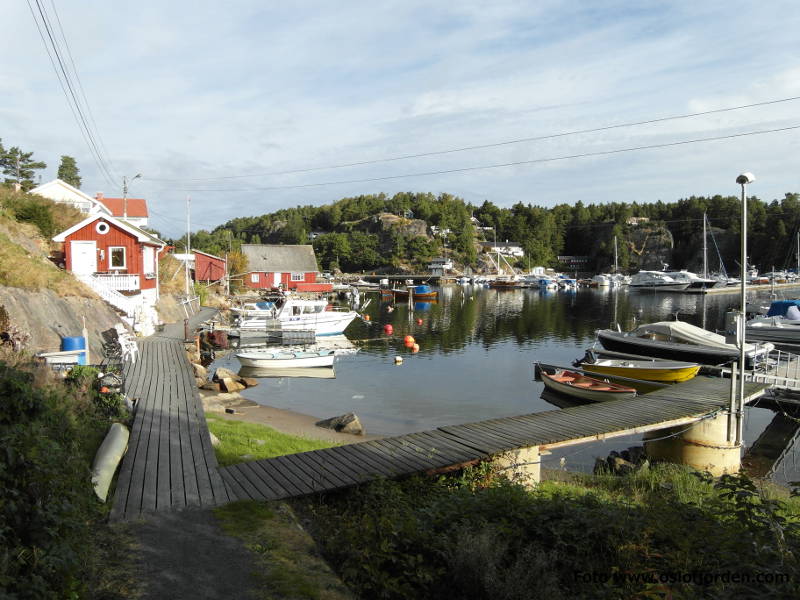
x=785 y=308
x=690 y=334
x=423 y=289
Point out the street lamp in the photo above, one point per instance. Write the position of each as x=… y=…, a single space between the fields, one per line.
x=743 y=180
x=125 y=194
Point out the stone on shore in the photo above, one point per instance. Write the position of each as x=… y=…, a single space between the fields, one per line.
x=229 y=384
x=212 y=386
x=222 y=373
x=200 y=371
x=348 y=423
x=249 y=381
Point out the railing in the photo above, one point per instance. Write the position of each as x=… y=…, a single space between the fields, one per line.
x=110 y=295
x=119 y=282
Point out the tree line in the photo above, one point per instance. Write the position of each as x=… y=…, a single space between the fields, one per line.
x=19 y=167
x=342 y=237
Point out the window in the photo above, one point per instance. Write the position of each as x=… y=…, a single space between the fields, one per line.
x=298 y=276
x=116 y=257
x=253 y=277
x=149 y=258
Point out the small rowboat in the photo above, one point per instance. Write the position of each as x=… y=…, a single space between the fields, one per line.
x=586 y=388
x=281 y=358
x=649 y=370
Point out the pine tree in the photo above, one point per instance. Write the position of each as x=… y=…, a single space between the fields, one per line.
x=68 y=171
x=19 y=166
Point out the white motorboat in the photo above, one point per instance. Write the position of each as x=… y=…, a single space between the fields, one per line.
x=297 y=314
x=781 y=323
x=656 y=280
x=695 y=281
x=286 y=358
x=602 y=280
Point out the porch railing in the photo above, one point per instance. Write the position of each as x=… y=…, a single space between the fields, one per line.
x=110 y=295
x=119 y=282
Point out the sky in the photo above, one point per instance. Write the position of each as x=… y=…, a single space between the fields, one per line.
x=244 y=107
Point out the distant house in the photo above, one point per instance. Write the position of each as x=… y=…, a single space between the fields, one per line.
x=62 y=192
x=292 y=267
x=132 y=210
x=119 y=261
x=440 y=266
x=505 y=248
x=637 y=220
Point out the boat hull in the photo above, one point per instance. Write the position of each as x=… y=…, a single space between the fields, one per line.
x=782 y=335
x=672 y=375
x=403 y=295
x=619 y=342
x=585 y=394
x=285 y=360
x=666 y=287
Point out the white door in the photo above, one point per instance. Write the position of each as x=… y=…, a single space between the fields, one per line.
x=84 y=257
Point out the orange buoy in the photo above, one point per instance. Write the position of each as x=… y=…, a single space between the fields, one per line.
x=415 y=348
x=419 y=321
x=388 y=329
x=409 y=340
x=366 y=317
x=104 y=390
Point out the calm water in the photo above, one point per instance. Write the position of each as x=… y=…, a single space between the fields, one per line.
x=477 y=347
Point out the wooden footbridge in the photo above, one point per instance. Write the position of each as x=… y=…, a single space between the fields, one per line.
x=170 y=463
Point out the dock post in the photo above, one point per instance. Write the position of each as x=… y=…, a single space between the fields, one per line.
x=523 y=465
x=732 y=406
x=703 y=445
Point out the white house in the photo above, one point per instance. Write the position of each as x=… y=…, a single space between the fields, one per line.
x=60 y=191
x=505 y=248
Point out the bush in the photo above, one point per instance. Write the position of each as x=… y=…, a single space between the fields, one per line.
x=48 y=436
x=488 y=538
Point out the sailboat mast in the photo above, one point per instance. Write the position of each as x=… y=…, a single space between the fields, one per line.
x=797 y=254
x=615 y=255
x=705 y=248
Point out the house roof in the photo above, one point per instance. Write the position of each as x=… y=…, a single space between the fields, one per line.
x=140 y=234
x=207 y=254
x=60 y=190
x=137 y=207
x=265 y=258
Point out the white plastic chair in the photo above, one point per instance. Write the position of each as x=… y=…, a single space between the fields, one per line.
x=130 y=349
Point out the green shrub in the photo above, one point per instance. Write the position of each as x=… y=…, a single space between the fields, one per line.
x=483 y=537
x=48 y=436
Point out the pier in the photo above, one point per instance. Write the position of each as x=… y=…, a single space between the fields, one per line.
x=170 y=463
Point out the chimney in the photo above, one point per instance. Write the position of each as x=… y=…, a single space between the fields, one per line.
x=98 y=196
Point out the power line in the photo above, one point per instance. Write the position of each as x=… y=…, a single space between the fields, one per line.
x=494 y=144
x=498 y=165
x=83 y=92
x=67 y=88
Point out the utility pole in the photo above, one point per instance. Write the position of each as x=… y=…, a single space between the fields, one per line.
x=125 y=194
x=188 y=243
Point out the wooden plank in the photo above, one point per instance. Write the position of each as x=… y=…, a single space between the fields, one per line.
x=332 y=459
x=235 y=491
x=337 y=474
x=267 y=475
x=366 y=461
x=256 y=481
x=176 y=413
x=150 y=471
x=401 y=451
x=240 y=475
x=164 y=484
x=297 y=476
x=276 y=470
x=440 y=447
x=308 y=471
x=438 y=456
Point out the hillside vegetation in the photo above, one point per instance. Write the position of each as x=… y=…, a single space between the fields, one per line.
x=353 y=233
x=27 y=223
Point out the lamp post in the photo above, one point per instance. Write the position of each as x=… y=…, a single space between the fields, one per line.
x=742 y=180
x=125 y=194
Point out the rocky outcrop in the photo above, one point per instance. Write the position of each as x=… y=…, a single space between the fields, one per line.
x=650 y=248
x=48 y=318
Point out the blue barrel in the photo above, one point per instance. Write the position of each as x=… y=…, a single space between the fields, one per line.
x=77 y=342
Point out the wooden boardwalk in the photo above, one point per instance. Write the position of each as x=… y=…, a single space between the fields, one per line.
x=170 y=462
x=446 y=447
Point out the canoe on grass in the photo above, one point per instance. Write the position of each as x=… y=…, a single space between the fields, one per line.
x=587 y=388
x=649 y=370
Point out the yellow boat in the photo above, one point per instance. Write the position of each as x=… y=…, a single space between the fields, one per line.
x=648 y=370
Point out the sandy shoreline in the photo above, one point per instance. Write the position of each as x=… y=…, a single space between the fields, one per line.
x=285 y=421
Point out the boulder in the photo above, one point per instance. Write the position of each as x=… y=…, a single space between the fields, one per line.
x=620 y=466
x=348 y=423
x=211 y=386
x=199 y=382
x=228 y=384
x=637 y=454
x=222 y=373
x=200 y=371
x=249 y=381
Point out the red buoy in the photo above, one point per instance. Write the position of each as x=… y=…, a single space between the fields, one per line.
x=409 y=340
x=419 y=321
x=388 y=329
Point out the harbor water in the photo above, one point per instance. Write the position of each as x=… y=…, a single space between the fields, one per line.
x=475 y=362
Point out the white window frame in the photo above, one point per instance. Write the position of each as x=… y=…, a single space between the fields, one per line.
x=111 y=249
x=298 y=277
x=254 y=278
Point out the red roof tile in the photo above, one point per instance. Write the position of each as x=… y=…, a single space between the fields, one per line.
x=137 y=207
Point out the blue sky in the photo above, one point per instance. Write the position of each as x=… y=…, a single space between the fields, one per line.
x=191 y=90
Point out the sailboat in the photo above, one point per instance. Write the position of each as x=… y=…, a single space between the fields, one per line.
x=505 y=282
x=697 y=282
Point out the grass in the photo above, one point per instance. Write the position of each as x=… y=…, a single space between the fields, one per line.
x=287 y=563
x=240 y=441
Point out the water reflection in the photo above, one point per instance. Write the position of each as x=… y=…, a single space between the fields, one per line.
x=477 y=347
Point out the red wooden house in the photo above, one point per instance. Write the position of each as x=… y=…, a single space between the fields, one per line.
x=111 y=254
x=286 y=266
x=208 y=267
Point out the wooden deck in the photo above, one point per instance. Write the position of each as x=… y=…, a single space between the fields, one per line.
x=170 y=462
x=445 y=447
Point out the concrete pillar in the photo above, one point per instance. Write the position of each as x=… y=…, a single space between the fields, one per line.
x=703 y=446
x=520 y=466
